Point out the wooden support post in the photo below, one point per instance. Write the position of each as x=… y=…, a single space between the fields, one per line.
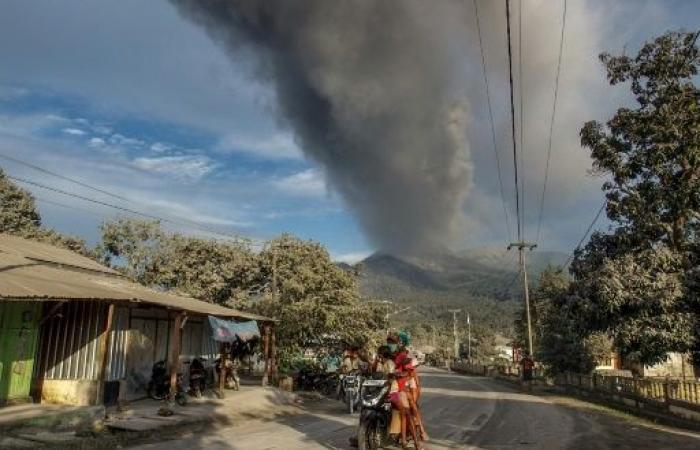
x=104 y=351
x=266 y=353
x=273 y=356
x=174 y=363
x=222 y=371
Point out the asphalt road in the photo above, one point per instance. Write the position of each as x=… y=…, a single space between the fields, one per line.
x=461 y=413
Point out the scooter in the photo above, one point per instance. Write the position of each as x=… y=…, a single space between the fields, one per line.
x=375 y=415
x=198 y=377
x=159 y=385
x=352 y=384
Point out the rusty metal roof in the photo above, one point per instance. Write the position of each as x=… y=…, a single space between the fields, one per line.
x=32 y=270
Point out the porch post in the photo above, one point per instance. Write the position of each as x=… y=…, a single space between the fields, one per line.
x=104 y=348
x=175 y=338
x=266 y=353
x=222 y=372
x=273 y=355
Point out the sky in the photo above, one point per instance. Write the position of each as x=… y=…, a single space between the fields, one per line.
x=136 y=100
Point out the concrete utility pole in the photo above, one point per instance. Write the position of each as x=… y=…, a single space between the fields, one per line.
x=469 y=337
x=454 y=325
x=521 y=246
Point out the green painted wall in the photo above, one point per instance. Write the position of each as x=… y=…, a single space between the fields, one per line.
x=19 y=328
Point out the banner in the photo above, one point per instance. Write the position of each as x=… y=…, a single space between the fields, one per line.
x=228 y=330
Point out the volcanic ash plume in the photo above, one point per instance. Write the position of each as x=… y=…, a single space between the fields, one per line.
x=372 y=91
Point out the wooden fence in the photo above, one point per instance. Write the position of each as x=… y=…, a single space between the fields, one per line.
x=669 y=397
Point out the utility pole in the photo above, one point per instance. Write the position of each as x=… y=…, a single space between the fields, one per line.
x=521 y=246
x=469 y=337
x=454 y=326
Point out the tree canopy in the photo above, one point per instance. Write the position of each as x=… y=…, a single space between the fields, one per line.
x=19 y=216
x=638 y=278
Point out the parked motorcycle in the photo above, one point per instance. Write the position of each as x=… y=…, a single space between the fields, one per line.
x=375 y=415
x=231 y=379
x=159 y=385
x=352 y=384
x=198 y=377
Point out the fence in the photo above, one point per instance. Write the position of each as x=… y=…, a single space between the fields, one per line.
x=668 y=397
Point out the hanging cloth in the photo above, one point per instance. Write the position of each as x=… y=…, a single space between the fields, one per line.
x=228 y=330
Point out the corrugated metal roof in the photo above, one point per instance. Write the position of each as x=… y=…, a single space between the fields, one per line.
x=35 y=271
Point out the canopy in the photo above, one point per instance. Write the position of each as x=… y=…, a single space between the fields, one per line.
x=228 y=330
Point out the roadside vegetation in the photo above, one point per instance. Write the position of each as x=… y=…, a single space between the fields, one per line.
x=635 y=286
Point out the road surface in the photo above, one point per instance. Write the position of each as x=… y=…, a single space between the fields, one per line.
x=461 y=412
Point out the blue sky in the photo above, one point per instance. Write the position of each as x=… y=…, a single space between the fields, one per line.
x=130 y=97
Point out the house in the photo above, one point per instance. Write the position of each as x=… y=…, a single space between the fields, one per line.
x=73 y=331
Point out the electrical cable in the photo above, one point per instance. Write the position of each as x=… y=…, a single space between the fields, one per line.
x=588 y=230
x=512 y=121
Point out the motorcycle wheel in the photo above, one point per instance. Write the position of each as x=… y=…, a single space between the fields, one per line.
x=152 y=392
x=350 y=402
x=181 y=399
x=368 y=437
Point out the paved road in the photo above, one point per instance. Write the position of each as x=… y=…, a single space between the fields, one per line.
x=461 y=413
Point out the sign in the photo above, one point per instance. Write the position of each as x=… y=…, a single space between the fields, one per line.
x=229 y=331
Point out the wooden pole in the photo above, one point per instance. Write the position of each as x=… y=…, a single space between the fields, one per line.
x=104 y=348
x=222 y=371
x=175 y=352
x=266 y=353
x=273 y=355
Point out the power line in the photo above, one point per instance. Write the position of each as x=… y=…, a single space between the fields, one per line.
x=191 y=224
x=521 y=128
x=588 y=230
x=66 y=206
x=493 y=127
x=551 y=122
x=185 y=223
x=62 y=177
x=512 y=121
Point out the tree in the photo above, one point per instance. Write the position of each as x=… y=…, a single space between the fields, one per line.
x=19 y=216
x=292 y=280
x=564 y=341
x=636 y=278
x=213 y=271
x=315 y=300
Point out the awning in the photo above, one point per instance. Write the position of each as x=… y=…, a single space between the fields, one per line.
x=229 y=331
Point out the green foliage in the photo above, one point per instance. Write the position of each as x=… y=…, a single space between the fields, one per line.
x=213 y=271
x=563 y=340
x=295 y=281
x=19 y=216
x=636 y=279
x=317 y=302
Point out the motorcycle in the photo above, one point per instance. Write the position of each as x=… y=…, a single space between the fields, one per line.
x=375 y=415
x=352 y=384
x=231 y=379
x=159 y=385
x=198 y=377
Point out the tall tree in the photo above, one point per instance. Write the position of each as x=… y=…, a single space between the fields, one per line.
x=213 y=271
x=637 y=276
x=315 y=300
x=564 y=341
x=19 y=216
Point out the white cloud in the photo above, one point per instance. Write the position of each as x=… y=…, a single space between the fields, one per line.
x=120 y=139
x=74 y=131
x=192 y=167
x=96 y=142
x=307 y=183
x=278 y=146
x=101 y=129
x=352 y=257
x=159 y=147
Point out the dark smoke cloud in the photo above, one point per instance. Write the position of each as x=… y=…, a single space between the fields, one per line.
x=372 y=91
